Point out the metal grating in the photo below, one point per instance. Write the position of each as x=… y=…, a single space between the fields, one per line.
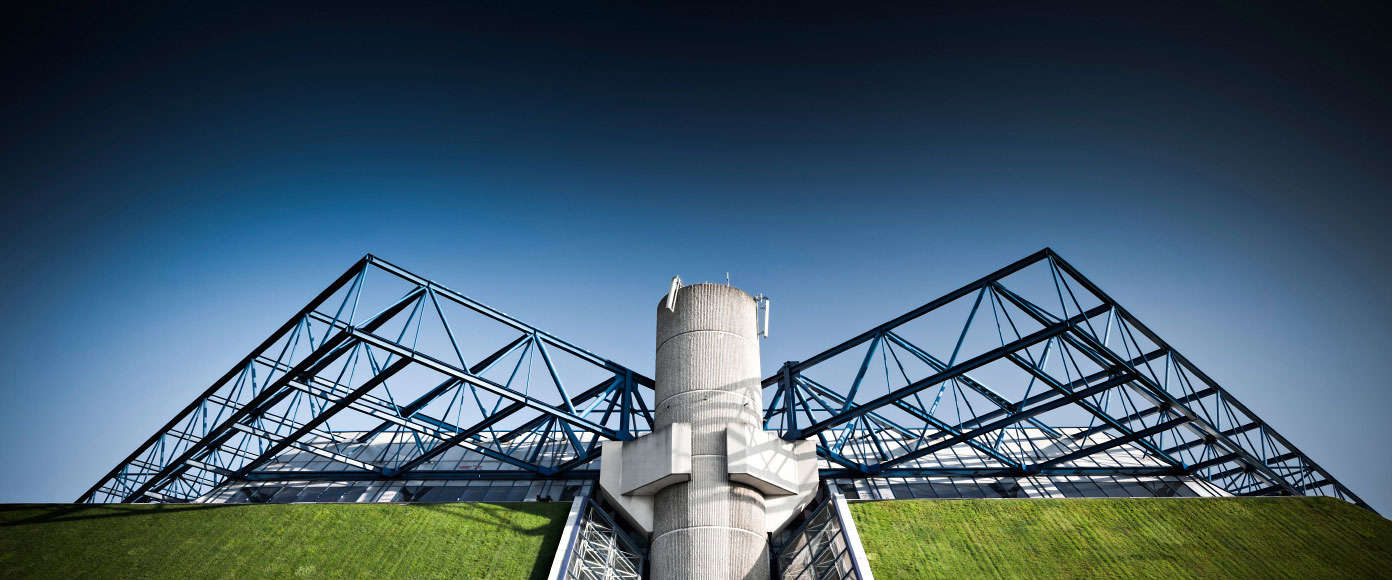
x=602 y=551
x=819 y=551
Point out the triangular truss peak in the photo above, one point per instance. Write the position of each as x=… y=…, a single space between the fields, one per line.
x=380 y=375
x=1031 y=370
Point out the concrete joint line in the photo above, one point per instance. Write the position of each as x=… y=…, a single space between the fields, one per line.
x=745 y=397
x=763 y=537
x=669 y=339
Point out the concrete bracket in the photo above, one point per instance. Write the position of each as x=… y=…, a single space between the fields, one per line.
x=761 y=460
x=784 y=471
x=632 y=471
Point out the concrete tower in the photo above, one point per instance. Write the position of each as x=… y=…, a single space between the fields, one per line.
x=707 y=376
x=708 y=484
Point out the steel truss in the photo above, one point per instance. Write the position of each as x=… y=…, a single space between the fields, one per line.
x=1033 y=346
x=389 y=361
x=1031 y=370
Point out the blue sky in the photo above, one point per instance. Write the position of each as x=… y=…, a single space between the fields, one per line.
x=178 y=182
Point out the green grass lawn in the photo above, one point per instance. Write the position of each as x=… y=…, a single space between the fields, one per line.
x=332 y=541
x=1259 y=538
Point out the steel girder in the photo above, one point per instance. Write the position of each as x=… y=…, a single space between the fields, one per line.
x=1054 y=350
x=978 y=383
x=335 y=381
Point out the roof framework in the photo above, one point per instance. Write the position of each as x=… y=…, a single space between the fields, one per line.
x=1033 y=348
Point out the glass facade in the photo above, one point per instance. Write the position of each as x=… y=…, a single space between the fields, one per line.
x=465 y=475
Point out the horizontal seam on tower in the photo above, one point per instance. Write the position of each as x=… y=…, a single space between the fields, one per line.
x=659 y=347
x=670 y=397
x=763 y=537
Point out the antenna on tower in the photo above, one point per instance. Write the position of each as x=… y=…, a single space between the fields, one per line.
x=763 y=304
x=672 y=293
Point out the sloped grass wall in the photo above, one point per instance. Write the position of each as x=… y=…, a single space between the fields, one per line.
x=330 y=541
x=1257 y=538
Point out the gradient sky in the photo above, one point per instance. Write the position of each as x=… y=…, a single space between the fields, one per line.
x=180 y=179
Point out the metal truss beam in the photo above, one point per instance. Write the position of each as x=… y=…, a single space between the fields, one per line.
x=425 y=474
x=1075 y=346
x=908 y=472
x=286 y=393
x=188 y=411
x=1148 y=398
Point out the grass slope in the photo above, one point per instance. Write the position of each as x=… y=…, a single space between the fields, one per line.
x=338 y=541
x=1124 y=538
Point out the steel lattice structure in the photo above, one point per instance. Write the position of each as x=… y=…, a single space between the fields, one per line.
x=602 y=551
x=1052 y=342
x=819 y=549
x=1031 y=370
x=340 y=372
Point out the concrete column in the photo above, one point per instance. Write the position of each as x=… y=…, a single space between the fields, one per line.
x=707 y=375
